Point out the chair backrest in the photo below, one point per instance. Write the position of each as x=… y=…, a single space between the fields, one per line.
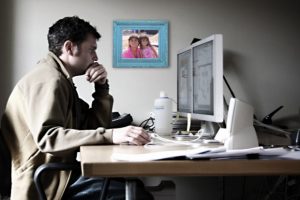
x=5 y=168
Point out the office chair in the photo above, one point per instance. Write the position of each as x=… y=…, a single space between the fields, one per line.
x=61 y=167
x=5 y=173
x=50 y=167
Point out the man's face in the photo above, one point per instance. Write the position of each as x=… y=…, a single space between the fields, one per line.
x=84 y=55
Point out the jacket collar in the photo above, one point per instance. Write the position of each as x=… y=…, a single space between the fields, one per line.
x=60 y=65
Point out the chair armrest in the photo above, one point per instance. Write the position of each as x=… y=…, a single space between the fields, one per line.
x=50 y=167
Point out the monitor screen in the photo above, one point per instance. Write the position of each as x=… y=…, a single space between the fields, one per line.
x=200 y=79
x=184 y=86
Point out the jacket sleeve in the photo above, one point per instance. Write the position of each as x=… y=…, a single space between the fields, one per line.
x=100 y=113
x=51 y=122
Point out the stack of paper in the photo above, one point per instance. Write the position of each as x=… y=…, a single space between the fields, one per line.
x=242 y=153
x=157 y=154
x=205 y=152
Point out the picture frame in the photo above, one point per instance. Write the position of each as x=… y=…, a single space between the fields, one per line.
x=151 y=54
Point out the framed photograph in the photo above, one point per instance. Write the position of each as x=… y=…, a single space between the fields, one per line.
x=141 y=44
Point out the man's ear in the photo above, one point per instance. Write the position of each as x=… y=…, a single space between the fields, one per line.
x=68 y=47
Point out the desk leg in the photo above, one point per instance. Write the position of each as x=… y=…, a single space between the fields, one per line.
x=130 y=189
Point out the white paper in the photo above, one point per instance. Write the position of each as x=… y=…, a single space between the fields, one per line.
x=164 y=154
x=243 y=152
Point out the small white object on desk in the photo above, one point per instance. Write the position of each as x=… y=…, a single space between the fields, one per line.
x=240 y=132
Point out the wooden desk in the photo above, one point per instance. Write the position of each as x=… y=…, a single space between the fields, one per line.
x=97 y=161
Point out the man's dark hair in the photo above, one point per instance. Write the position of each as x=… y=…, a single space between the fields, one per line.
x=69 y=28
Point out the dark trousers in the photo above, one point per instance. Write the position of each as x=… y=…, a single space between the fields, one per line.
x=82 y=188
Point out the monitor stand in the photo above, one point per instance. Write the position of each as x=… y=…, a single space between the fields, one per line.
x=208 y=129
x=239 y=132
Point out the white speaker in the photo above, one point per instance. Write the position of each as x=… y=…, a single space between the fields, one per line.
x=239 y=132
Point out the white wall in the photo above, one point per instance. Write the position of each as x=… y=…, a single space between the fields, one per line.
x=261 y=47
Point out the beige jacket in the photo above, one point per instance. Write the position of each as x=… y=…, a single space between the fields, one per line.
x=45 y=121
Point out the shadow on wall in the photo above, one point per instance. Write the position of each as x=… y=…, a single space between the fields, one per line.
x=6 y=51
x=237 y=77
x=239 y=80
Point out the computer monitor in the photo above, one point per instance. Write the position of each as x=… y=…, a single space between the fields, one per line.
x=200 y=80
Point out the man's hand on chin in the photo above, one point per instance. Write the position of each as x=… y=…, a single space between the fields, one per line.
x=96 y=73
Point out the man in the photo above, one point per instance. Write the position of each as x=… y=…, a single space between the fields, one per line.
x=45 y=120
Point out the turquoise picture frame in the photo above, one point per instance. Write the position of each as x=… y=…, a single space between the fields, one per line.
x=156 y=30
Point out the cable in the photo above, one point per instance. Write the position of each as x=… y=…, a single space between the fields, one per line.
x=227 y=84
x=276 y=185
x=156 y=136
x=162 y=139
x=144 y=124
x=260 y=124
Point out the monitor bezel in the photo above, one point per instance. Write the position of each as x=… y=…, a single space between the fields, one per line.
x=217 y=116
